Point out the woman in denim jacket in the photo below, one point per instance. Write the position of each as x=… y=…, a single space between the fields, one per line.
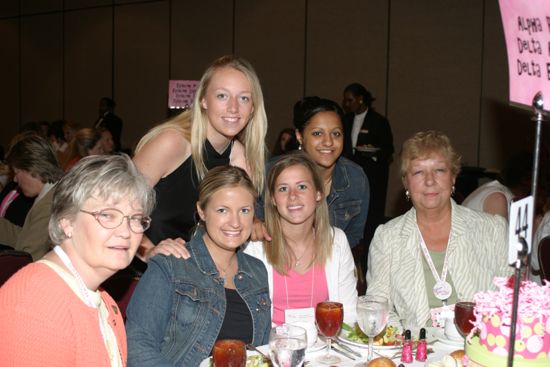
x=181 y=307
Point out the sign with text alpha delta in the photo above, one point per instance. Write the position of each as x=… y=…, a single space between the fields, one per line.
x=527 y=31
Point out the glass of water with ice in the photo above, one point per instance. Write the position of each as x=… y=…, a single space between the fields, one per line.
x=287 y=345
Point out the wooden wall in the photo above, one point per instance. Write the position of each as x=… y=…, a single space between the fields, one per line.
x=430 y=64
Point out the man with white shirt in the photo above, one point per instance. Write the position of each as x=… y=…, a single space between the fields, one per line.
x=36 y=170
x=368 y=142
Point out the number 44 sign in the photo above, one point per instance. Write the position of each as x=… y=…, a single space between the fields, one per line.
x=521 y=225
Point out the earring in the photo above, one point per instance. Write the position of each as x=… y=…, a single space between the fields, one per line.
x=69 y=235
x=453 y=190
x=300 y=147
x=408 y=195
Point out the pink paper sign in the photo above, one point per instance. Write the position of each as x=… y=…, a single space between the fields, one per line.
x=181 y=93
x=527 y=31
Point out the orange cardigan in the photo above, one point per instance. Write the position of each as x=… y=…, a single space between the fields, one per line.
x=44 y=323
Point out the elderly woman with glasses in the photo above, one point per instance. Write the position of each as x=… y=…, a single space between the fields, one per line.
x=53 y=311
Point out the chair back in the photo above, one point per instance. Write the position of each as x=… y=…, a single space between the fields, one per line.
x=544 y=258
x=11 y=261
x=121 y=287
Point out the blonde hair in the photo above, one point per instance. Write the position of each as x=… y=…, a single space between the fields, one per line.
x=193 y=123
x=424 y=143
x=276 y=250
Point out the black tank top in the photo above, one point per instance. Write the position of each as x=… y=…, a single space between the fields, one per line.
x=175 y=213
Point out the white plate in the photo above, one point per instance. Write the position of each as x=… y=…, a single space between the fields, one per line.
x=343 y=338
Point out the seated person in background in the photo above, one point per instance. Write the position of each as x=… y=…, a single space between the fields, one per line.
x=14 y=206
x=52 y=310
x=286 y=142
x=35 y=170
x=492 y=197
x=107 y=143
x=181 y=307
x=438 y=251
x=86 y=142
x=308 y=260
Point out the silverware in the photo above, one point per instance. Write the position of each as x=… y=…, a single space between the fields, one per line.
x=338 y=349
x=347 y=349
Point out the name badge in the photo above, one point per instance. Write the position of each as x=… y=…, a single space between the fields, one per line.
x=293 y=315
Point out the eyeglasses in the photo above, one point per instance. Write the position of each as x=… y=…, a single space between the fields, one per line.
x=113 y=218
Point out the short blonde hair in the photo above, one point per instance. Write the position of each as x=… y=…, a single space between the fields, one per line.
x=192 y=124
x=276 y=250
x=425 y=143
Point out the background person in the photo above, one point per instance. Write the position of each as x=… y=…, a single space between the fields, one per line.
x=109 y=120
x=181 y=307
x=86 y=142
x=35 y=170
x=438 y=251
x=225 y=125
x=53 y=312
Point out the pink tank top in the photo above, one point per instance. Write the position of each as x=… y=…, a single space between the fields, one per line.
x=297 y=290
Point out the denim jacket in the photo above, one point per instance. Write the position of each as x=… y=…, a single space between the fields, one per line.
x=348 y=201
x=178 y=307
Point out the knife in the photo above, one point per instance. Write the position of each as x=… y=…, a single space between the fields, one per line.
x=347 y=349
x=337 y=348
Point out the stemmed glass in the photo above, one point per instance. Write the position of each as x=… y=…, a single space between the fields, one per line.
x=329 y=317
x=287 y=345
x=372 y=315
x=464 y=316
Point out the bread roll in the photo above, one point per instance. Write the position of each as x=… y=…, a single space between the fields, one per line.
x=381 y=362
x=458 y=354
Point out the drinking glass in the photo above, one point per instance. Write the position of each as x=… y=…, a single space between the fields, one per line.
x=329 y=317
x=464 y=316
x=287 y=345
x=229 y=353
x=372 y=315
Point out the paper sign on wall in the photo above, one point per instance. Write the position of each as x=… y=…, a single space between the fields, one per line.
x=520 y=225
x=181 y=93
x=527 y=31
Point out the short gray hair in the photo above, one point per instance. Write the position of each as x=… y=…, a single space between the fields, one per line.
x=107 y=177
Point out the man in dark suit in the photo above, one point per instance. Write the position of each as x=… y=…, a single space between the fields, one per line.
x=368 y=141
x=109 y=120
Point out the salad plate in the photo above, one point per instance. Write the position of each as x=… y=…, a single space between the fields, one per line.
x=343 y=337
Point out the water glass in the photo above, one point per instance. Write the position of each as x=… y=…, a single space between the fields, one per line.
x=287 y=345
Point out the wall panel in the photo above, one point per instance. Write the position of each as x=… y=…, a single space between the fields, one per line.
x=41 y=67
x=88 y=63
x=9 y=8
x=271 y=36
x=40 y=6
x=199 y=36
x=435 y=72
x=9 y=74
x=346 y=46
x=141 y=67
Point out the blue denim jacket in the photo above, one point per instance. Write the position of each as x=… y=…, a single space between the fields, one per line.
x=177 y=309
x=348 y=201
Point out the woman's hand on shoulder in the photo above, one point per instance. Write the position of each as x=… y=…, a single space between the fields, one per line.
x=162 y=155
x=169 y=247
x=259 y=231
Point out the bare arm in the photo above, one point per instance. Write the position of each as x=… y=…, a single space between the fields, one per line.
x=496 y=203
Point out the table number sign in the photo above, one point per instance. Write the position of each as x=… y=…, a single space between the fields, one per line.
x=521 y=225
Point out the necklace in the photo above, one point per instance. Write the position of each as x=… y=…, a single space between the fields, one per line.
x=224 y=270
x=297 y=261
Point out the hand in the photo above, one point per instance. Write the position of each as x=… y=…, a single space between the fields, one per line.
x=175 y=247
x=259 y=231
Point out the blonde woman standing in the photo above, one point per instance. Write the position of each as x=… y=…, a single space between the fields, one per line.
x=226 y=125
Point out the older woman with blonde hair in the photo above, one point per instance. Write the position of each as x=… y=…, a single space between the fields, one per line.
x=226 y=124
x=438 y=252
x=53 y=311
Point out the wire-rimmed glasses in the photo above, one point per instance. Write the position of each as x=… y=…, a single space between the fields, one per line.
x=112 y=218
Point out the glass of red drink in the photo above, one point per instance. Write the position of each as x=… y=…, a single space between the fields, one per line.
x=329 y=317
x=464 y=316
x=229 y=353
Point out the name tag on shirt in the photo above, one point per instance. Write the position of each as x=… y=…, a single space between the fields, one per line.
x=293 y=315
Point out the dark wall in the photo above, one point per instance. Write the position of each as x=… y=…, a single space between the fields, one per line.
x=430 y=64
